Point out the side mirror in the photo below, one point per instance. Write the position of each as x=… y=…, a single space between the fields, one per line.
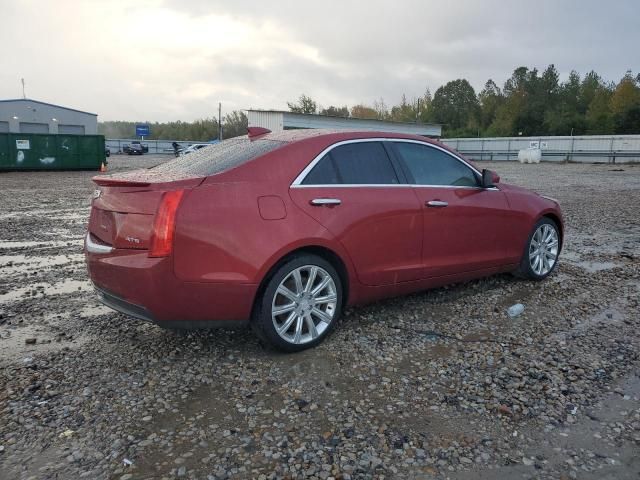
x=489 y=178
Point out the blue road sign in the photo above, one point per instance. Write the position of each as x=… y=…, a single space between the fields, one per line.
x=143 y=131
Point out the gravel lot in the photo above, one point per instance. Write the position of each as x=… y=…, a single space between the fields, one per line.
x=441 y=384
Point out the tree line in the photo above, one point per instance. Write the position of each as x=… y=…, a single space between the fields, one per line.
x=529 y=103
x=233 y=124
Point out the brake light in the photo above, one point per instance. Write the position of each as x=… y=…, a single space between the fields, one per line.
x=164 y=224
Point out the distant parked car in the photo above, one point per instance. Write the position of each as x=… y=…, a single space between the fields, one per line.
x=194 y=148
x=283 y=230
x=144 y=146
x=136 y=148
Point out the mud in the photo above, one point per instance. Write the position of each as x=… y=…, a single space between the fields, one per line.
x=439 y=384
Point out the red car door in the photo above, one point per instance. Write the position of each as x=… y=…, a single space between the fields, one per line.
x=465 y=227
x=358 y=195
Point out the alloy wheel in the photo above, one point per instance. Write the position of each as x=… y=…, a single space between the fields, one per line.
x=304 y=304
x=543 y=249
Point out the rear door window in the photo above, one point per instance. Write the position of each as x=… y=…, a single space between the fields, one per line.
x=324 y=173
x=361 y=163
x=432 y=166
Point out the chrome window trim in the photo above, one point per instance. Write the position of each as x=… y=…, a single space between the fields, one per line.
x=390 y=185
x=355 y=185
x=297 y=183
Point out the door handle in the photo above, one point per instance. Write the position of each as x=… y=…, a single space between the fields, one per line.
x=437 y=204
x=319 y=202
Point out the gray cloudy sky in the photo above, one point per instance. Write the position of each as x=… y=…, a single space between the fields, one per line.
x=175 y=59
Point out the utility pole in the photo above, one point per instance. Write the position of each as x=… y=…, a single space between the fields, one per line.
x=220 y=121
x=23 y=94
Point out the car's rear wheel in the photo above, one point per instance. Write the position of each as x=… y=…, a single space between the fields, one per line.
x=541 y=253
x=300 y=305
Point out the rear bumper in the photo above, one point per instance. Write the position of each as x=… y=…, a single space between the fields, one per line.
x=141 y=313
x=121 y=305
x=147 y=288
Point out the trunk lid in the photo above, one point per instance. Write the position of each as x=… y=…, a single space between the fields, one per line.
x=123 y=208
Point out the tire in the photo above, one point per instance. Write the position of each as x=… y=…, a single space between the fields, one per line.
x=538 y=264
x=301 y=305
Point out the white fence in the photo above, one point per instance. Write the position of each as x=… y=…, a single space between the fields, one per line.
x=589 y=149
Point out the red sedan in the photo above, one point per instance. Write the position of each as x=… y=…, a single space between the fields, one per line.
x=283 y=230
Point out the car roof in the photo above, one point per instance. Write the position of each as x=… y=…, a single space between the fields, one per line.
x=292 y=136
x=326 y=137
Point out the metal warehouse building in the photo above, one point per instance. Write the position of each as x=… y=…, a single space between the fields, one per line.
x=31 y=116
x=277 y=120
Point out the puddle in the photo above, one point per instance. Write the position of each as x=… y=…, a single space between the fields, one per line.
x=481 y=336
x=608 y=316
x=593 y=267
x=211 y=411
x=38 y=290
x=438 y=351
x=95 y=311
x=60 y=233
x=56 y=317
x=590 y=266
x=24 y=263
x=591 y=433
x=432 y=352
x=41 y=213
x=14 y=347
x=12 y=245
x=70 y=216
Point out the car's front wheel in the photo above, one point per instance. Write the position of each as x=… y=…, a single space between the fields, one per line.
x=541 y=253
x=300 y=305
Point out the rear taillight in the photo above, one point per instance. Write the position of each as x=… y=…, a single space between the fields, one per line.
x=164 y=224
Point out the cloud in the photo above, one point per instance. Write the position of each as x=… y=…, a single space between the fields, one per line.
x=176 y=59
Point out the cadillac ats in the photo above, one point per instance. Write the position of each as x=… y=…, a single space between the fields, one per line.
x=283 y=230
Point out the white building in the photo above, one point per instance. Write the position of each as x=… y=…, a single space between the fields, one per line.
x=23 y=115
x=277 y=120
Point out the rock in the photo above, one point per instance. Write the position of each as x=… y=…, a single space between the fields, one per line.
x=505 y=410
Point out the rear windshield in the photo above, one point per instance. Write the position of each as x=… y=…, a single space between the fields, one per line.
x=218 y=157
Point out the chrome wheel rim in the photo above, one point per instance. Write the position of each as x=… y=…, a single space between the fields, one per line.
x=304 y=304
x=543 y=249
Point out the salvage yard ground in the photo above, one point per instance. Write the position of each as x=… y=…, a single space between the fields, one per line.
x=441 y=384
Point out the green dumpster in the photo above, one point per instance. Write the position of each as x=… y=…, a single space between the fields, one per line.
x=35 y=151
